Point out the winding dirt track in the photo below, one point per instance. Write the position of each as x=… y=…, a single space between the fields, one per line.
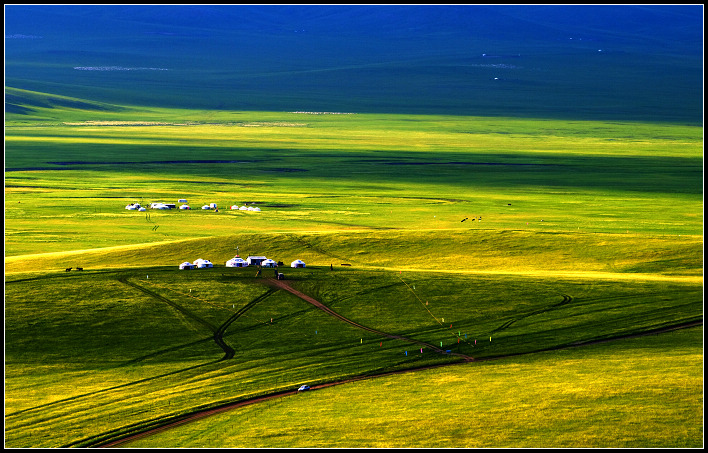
x=282 y=285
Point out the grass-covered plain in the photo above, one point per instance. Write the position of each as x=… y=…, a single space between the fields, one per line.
x=542 y=234
x=338 y=172
x=601 y=396
x=90 y=356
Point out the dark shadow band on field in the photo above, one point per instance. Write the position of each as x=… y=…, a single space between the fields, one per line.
x=645 y=174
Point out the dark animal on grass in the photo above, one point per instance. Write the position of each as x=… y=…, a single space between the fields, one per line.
x=68 y=269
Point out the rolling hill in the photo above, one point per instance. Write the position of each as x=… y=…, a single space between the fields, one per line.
x=542 y=61
x=528 y=175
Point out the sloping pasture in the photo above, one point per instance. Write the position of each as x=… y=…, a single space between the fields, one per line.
x=96 y=355
x=634 y=393
x=341 y=172
x=538 y=235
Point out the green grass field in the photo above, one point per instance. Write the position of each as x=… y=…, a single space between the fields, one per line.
x=541 y=234
x=339 y=172
x=597 y=397
x=89 y=357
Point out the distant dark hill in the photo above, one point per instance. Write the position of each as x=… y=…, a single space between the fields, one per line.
x=621 y=62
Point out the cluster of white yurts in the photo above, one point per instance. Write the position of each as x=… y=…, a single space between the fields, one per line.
x=245 y=208
x=237 y=261
x=184 y=205
x=198 y=264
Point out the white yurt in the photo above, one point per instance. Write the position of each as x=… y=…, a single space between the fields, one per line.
x=206 y=206
x=186 y=266
x=184 y=206
x=236 y=261
x=181 y=200
x=297 y=263
x=142 y=209
x=201 y=264
x=234 y=207
x=269 y=263
x=243 y=208
x=212 y=205
x=131 y=207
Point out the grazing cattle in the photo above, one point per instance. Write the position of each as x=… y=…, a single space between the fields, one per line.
x=68 y=269
x=79 y=268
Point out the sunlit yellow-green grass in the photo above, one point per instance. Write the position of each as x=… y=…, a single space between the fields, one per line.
x=544 y=233
x=73 y=173
x=584 y=255
x=90 y=357
x=637 y=393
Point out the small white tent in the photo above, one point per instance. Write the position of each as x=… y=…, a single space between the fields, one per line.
x=234 y=207
x=131 y=207
x=297 y=263
x=269 y=263
x=186 y=266
x=181 y=200
x=184 y=206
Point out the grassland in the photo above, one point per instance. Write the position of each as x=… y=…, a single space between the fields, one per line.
x=593 y=62
x=574 y=232
x=334 y=172
x=597 y=396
